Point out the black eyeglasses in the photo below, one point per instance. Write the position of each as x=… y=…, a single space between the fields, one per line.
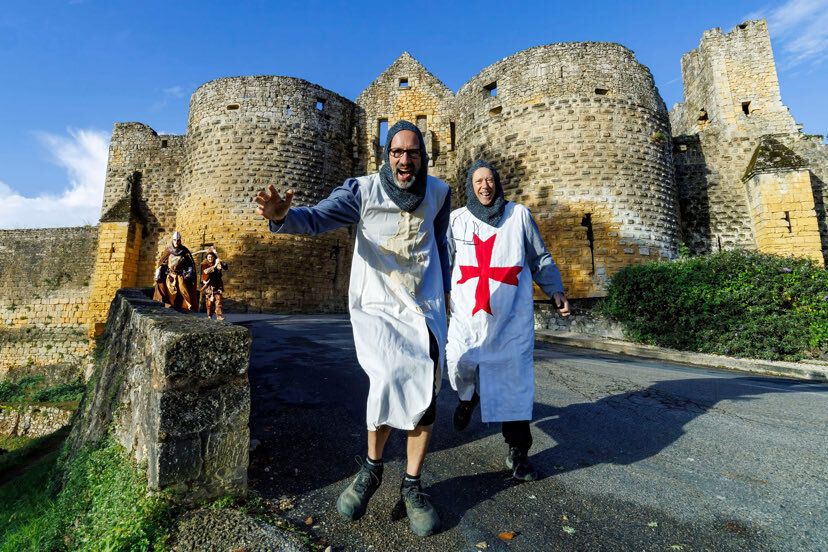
x=412 y=153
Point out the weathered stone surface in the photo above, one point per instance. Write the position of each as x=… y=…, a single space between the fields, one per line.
x=32 y=421
x=173 y=390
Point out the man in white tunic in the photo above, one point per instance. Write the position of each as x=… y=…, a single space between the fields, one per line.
x=399 y=277
x=498 y=251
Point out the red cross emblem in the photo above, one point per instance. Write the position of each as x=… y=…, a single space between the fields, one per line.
x=485 y=271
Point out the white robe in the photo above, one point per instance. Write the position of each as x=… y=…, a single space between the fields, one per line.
x=396 y=296
x=500 y=343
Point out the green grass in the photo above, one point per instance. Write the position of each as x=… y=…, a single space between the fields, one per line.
x=32 y=390
x=102 y=504
x=22 y=449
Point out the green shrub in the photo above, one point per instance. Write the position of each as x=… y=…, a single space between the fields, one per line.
x=31 y=389
x=732 y=303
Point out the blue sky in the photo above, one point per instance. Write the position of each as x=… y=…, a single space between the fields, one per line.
x=71 y=69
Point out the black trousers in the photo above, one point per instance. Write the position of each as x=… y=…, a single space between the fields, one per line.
x=517 y=434
x=434 y=352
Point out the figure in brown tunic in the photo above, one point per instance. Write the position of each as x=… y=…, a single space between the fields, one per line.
x=175 y=277
x=211 y=283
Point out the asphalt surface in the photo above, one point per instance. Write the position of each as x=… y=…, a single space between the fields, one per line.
x=634 y=454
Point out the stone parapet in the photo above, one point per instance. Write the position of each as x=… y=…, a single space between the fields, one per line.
x=173 y=390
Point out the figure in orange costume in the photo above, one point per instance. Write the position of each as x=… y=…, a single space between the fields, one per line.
x=211 y=283
x=175 y=278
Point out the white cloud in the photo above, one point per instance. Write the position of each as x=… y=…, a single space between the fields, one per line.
x=83 y=154
x=800 y=28
x=168 y=94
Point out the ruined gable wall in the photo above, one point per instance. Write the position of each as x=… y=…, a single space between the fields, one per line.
x=423 y=97
x=44 y=294
x=243 y=134
x=158 y=159
x=576 y=130
x=813 y=149
x=711 y=156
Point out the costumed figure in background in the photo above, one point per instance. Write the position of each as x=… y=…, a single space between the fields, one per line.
x=399 y=276
x=175 y=277
x=212 y=284
x=497 y=251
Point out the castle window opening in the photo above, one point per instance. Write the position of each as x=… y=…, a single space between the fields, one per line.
x=746 y=108
x=404 y=82
x=787 y=219
x=561 y=71
x=491 y=89
x=164 y=143
x=422 y=123
x=601 y=91
x=743 y=26
x=382 y=131
x=232 y=107
x=320 y=105
x=703 y=115
x=496 y=110
x=451 y=136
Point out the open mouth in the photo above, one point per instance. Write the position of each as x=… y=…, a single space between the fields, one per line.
x=405 y=175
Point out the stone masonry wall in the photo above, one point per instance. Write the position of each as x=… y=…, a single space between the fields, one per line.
x=726 y=71
x=580 y=135
x=712 y=197
x=782 y=211
x=406 y=90
x=243 y=134
x=44 y=294
x=147 y=166
x=173 y=390
x=32 y=421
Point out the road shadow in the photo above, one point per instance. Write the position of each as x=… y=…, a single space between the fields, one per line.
x=621 y=429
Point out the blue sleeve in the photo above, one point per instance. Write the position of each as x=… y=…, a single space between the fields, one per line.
x=340 y=208
x=545 y=272
x=441 y=224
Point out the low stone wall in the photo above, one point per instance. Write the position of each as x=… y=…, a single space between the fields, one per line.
x=583 y=320
x=173 y=390
x=32 y=420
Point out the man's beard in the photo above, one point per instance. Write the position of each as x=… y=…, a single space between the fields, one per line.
x=405 y=185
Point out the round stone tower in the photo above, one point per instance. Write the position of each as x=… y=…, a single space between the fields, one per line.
x=581 y=136
x=244 y=133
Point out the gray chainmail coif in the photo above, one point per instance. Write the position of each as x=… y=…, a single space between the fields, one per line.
x=492 y=213
x=407 y=200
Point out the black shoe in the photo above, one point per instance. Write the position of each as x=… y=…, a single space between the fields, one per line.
x=463 y=412
x=422 y=517
x=518 y=462
x=354 y=499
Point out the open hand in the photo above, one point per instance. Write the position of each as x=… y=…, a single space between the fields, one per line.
x=271 y=205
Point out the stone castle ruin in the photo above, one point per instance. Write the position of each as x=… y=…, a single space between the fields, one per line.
x=578 y=131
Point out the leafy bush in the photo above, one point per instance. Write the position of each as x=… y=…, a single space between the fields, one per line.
x=731 y=303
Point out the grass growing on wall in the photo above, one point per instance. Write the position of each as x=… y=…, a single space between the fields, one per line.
x=31 y=390
x=733 y=303
x=102 y=505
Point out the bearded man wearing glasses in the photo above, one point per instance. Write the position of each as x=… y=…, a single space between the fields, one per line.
x=400 y=276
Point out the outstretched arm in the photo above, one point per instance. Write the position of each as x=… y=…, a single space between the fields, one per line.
x=340 y=208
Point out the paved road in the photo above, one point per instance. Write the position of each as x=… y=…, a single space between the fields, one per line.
x=635 y=454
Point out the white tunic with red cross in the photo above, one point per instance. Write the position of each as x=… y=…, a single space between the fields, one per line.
x=492 y=314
